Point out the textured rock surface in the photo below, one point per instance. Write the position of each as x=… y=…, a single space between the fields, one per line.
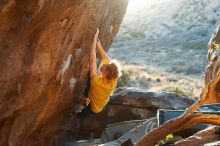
x=44 y=48
x=213 y=64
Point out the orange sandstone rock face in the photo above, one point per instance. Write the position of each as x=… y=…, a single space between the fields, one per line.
x=44 y=53
x=213 y=65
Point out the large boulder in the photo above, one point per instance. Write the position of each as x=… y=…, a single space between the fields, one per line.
x=213 y=65
x=133 y=103
x=44 y=53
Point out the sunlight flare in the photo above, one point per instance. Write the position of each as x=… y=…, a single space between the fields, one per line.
x=139 y=5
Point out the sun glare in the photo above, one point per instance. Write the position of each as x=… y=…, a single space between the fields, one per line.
x=135 y=6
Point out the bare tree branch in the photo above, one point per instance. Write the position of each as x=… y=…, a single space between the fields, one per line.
x=200 y=118
x=200 y=138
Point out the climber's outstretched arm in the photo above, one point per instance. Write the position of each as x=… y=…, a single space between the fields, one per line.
x=92 y=57
x=102 y=52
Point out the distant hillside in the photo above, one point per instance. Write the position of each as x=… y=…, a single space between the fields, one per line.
x=162 y=44
x=172 y=21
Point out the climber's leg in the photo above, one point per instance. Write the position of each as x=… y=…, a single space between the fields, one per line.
x=83 y=101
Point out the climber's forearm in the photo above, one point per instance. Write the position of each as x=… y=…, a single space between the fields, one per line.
x=92 y=58
x=102 y=52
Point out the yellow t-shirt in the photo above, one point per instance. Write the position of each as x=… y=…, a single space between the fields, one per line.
x=99 y=93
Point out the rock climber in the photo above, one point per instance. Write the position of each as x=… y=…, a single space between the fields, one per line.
x=101 y=84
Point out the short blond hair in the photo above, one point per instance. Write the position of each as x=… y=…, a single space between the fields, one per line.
x=113 y=70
